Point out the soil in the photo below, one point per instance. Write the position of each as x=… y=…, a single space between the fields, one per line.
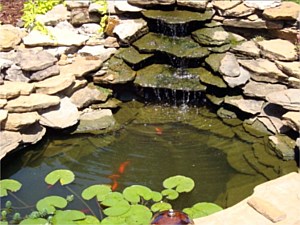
x=11 y=11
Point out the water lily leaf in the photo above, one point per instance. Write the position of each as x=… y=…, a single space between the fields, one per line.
x=112 y=198
x=64 y=176
x=50 y=203
x=68 y=217
x=202 y=209
x=9 y=185
x=88 y=220
x=97 y=190
x=156 y=196
x=170 y=193
x=160 y=206
x=114 y=221
x=182 y=183
x=37 y=221
x=3 y=223
x=117 y=210
x=134 y=192
x=138 y=215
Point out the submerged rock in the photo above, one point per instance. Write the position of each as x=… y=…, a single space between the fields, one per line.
x=181 y=47
x=165 y=76
x=283 y=146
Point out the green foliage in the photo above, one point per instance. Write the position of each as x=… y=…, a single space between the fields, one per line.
x=64 y=176
x=134 y=206
x=9 y=185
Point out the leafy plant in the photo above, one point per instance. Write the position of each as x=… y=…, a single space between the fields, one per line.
x=134 y=206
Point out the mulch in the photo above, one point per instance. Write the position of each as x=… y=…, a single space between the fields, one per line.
x=11 y=11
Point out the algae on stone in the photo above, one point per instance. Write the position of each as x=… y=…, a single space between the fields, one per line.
x=132 y=56
x=215 y=36
x=214 y=61
x=166 y=76
x=181 y=47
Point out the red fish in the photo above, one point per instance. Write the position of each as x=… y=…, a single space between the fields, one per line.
x=115 y=185
x=122 y=166
x=114 y=176
x=158 y=131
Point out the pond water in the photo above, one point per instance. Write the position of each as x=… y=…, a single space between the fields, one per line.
x=153 y=143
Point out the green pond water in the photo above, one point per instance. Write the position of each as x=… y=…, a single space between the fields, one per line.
x=156 y=142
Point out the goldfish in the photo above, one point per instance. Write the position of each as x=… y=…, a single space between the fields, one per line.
x=158 y=130
x=115 y=185
x=122 y=166
x=116 y=176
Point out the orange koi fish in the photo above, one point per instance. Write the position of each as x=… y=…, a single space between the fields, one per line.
x=115 y=185
x=158 y=131
x=122 y=166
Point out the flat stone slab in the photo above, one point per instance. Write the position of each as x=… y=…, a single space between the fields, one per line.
x=247 y=48
x=286 y=11
x=10 y=36
x=9 y=141
x=288 y=99
x=246 y=105
x=16 y=121
x=151 y=2
x=290 y=68
x=292 y=119
x=31 y=102
x=282 y=193
x=214 y=36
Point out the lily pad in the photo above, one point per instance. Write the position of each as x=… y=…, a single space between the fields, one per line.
x=68 y=217
x=3 y=223
x=89 y=220
x=64 y=176
x=134 y=192
x=181 y=183
x=112 y=198
x=118 y=209
x=114 y=221
x=161 y=206
x=9 y=185
x=170 y=193
x=138 y=215
x=50 y=204
x=202 y=209
x=98 y=190
x=37 y=221
x=156 y=196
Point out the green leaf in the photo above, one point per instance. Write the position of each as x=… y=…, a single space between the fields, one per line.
x=182 y=183
x=36 y=221
x=134 y=192
x=88 y=220
x=114 y=221
x=3 y=223
x=9 y=185
x=170 y=193
x=118 y=209
x=64 y=176
x=156 y=196
x=202 y=209
x=112 y=198
x=67 y=217
x=138 y=215
x=97 y=190
x=161 y=206
x=50 y=203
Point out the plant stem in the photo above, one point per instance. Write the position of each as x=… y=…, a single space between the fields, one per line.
x=19 y=200
x=75 y=194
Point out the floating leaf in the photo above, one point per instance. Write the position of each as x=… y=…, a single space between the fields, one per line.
x=160 y=206
x=118 y=209
x=3 y=223
x=67 y=217
x=98 y=190
x=64 y=176
x=138 y=215
x=202 y=209
x=114 y=221
x=88 y=220
x=134 y=192
x=36 y=221
x=170 y=193
x=182 y=183
x=9 y=185
x=156 y=196
x=50 y=203
x=112 y=198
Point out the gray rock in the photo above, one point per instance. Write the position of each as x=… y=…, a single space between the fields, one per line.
x=247 y=48
x=90 y=29
x=77 y=4
x=273 y=50
x=262 y=4
x=45 y=73
x=32 y=60
x=9 y=141
x=151 y=2
x=5 y=63
x=33 y=133
x=10 y=37
x=230 y=66
x=288 y=99
x=246 y=105
x=88 y=95
x=253 y=24
x=17 y=121
x=98 y=50
x=261 y=89
x=292 y=119
x=290 y=68
x=239 y=80
x=61 y=116
x=283 y=146
x=124 y=6
x=193 y=3
x=15 y=73
x=57 y=14
x=80 y=16
x=31 y=103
